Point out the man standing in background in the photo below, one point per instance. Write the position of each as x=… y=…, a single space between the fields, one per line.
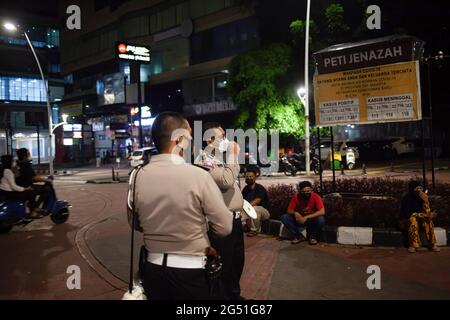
x=231 y=248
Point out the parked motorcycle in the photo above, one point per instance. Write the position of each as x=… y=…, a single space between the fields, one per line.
x=292 y=163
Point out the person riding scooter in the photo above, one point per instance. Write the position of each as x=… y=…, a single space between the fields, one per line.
x=11 y=191
x=27 y=178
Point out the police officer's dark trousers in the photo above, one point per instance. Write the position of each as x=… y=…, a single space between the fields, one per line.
x=232 y=250
x=164 y=283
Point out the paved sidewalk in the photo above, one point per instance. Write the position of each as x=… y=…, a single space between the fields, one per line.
x=279 y=270
x=96 y=238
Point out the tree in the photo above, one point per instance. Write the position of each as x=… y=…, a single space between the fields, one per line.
x=258 y=86
x=337 y=28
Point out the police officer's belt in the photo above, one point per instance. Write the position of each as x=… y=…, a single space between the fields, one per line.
x=177 y=261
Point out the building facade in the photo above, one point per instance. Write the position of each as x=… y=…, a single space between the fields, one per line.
x=23 y=113
x=191 y=42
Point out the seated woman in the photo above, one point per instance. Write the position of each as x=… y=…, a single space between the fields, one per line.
x=416 y=211
x=11 y=190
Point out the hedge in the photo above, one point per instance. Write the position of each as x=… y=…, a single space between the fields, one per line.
x=378 y=212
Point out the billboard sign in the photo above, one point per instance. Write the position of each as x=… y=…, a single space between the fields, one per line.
x=133 y=52
x=368 y=83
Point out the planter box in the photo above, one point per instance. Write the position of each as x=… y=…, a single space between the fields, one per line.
x=389 y=238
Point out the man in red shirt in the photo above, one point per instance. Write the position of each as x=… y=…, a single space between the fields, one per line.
x=306 y=209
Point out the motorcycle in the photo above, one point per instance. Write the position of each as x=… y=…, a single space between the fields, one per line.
x=13 y=212
x=292 y=163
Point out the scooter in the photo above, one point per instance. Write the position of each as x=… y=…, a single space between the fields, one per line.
x=350 y=158
x=13 y=212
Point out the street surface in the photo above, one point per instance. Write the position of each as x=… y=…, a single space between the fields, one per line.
x=35 y=258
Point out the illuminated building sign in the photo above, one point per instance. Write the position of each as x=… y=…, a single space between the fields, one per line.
x=131 y=52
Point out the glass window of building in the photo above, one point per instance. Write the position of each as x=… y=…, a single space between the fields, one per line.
x=220 y=89
x=182 y=12
x=22 y=89
x=168 y=18
x=53 y=37
x=170 y=55
x=224 y=41
x=155 y=23
x=135 y=27
x=197 y=91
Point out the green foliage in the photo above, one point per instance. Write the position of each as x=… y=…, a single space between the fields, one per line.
x=255 y=86
x=298 y=30
x=336 y=25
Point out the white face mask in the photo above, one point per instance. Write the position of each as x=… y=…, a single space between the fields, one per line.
x=223 y=145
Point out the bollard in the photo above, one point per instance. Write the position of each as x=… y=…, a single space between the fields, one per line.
x=113 y=174
x=342 y=170
x=364 y=168
x=117 y=176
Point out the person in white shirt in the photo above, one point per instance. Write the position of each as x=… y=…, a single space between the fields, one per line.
x=11 y=190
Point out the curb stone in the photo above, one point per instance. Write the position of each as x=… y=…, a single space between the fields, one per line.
x=381 y=237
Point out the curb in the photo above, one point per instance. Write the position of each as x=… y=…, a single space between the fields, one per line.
x=56 y=172
x=358 y=236
x=92 y=261
x=105 y=181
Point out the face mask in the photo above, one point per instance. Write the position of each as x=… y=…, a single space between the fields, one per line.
x=223 y=146
x=183 y=144
x=249 y=181
x=304 y=196
x=14 y=164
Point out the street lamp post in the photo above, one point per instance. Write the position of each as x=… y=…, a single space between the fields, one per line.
x=303 y=95
x=11 y=27
x=306 y=104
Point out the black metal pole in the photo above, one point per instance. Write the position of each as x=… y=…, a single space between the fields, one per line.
x=7 y=134
x=141 y=135
x=424 y=169
x=320 y=161
x=38 y=143
x=332 y=160
x=430 y=105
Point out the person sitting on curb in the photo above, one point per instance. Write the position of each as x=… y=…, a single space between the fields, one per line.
x=306 y=209
x=257 y=196
x=415 y=211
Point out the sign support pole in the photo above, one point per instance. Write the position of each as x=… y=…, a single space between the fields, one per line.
x=424 y=169
x=320 y=161
x=332 y=160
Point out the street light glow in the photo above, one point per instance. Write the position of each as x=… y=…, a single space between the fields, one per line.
x=301 y=92
x=9 y=26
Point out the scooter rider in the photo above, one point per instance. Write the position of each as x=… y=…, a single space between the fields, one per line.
x=27 y=178
x=231 y=248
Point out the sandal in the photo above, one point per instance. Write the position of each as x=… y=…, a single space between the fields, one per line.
x=252 y=234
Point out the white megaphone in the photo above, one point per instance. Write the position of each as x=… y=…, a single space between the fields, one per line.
x=249 y=210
